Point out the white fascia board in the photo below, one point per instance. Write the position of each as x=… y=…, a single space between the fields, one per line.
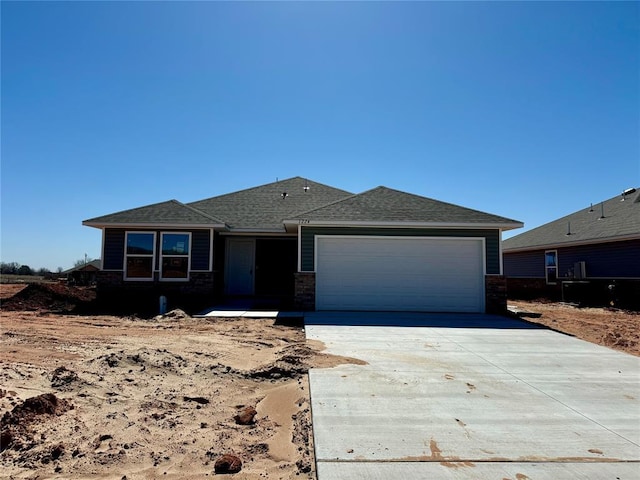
x=155 y=226
x=323 y=223
x=577 y=243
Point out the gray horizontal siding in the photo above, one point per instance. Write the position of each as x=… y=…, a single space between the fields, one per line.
x=114 y=239
x=524 y=264
x=606 y=260
x=492 y=239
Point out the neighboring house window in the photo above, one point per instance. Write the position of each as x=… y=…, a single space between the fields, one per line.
x=139 y=255
x=551 y=266
x=175 y=256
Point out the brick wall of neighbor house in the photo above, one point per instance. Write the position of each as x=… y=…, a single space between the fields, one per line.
x=531 y=289
x=305 y=291
x=495 y=291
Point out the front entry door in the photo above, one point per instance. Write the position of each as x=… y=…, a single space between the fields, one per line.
x=240 y=266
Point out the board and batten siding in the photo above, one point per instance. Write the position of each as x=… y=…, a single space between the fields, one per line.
x=604 y=260
x=113 y=251
x=491 y=236
x=114 y=239
x=200 y=250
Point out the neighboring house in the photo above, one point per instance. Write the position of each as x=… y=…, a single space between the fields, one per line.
x=592 y=255
x=311 y=246
x=84 y=274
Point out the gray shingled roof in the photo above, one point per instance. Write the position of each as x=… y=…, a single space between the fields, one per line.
x=171 y=212
x=263 y=208
x=384 y=204
x=621 y=220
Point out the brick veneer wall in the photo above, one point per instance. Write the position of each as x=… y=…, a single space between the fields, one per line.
x=114 y=292
x=495 y=294
x=305 y=291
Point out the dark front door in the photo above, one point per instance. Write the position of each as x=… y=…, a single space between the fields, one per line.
x=239 y=266
x=276 y=264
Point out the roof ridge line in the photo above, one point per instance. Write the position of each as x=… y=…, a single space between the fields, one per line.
x=325 y=205
x=346 y=198
x=198 y=211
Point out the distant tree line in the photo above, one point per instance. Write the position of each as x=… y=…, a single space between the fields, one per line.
x=14 y=268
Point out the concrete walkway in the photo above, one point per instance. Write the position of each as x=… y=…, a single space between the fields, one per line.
x=470 y=397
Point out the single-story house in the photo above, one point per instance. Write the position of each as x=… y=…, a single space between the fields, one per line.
x=311 y=246
x=589 y=256
x=83 y=274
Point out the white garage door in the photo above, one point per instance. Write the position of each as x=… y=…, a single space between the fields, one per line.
x=400 y=274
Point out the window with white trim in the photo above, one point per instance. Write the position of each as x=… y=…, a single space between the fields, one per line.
x=139 y=255
x=175 y=255
x=551 y=266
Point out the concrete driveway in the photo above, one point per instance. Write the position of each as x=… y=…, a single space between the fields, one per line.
x=470 y=397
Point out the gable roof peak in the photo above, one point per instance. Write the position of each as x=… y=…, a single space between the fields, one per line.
x=169 y=212
x=384 y=205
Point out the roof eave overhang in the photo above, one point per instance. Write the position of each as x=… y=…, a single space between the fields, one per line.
x=400 y=224
x=103 y=225
x=254 y=231
x=575 y=243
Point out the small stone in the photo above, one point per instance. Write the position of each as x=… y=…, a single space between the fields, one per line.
x=57 y=451
x=227 y=464
x=246 y=416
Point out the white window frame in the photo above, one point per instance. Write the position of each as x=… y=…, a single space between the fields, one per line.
x=548 y=267
x=127 y=255
x=162 y=256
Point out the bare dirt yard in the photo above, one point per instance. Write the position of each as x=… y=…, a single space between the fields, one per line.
x=174 y=396
x=168 y=397
x=613 y=328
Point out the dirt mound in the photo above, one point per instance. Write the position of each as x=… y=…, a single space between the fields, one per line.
x=15 y=425
x=53 y=297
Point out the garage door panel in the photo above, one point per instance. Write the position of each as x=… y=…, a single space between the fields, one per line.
x=395 y=273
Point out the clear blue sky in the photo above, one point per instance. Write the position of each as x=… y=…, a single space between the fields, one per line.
x=528 y=110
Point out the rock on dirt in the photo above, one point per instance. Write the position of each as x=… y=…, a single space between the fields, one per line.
x=227 y=464
x=176 y=314
x=62 y=377
x=246 y=416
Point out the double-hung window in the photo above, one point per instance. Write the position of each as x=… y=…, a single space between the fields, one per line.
x=139 y=255
x=551 y=266
x=175 y=256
